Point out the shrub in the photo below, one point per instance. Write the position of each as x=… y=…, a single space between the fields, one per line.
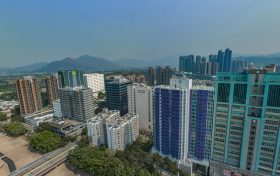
x=46 y=141
x=14 y=129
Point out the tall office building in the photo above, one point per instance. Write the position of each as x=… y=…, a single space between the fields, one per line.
x=186 y=63
x=94 y=81
x=163 y=75
x=52 y=85
x=167 y=74
x=238 y=66
x=205 y=68
x=224 y=60
x=203 y=59
x=182 y=63
x=29 y=95
x=214 y=64
x=151 y=76
x=116 y=94
x=159 y=75
x=171 y=119
x=77 y=103
x=277 y=70
x=71 y=78
x=109 y=129
x=246 y=133
x=197 y=64
x=200 y=124
x=140 y=101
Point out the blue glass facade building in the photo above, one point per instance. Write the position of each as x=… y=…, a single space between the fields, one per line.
x=200 y=123
x=170 y=114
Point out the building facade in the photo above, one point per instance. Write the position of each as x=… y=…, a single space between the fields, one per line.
x=94 y=81
x=110 y=129
x=71 y=78
x=77 y=103
x=224 y=60
x=123 y=133
x=52 y=85
x=95 y=128
x=246 y=133
x=29 y=95
x=151 y=76
x=35 y=119
x=200 y=124
x=214 y=64
x=238 y=66
x=171 y=119
x=57 y=108
x=186 y=63
x=116 y=94
x=163 y=75
x=140 y=101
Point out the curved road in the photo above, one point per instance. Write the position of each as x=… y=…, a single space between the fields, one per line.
x=8 y=161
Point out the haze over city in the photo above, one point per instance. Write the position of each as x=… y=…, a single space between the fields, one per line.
x=35 y=31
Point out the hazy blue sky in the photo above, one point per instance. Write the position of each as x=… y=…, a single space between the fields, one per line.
x=45 y=30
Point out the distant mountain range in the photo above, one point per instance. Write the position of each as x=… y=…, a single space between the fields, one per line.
x=89 y=63
x=84 y=63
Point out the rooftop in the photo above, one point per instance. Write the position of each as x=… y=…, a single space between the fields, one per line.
x=202 y=87
x=62 y=123
x=41 y=114
x=118 y=80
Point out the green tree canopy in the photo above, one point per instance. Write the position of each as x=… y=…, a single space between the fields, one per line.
x=16 y=115
x=3 y=116
x=46 y=141
x=135 y=160
x=16 y=111
x=14 y=129
x=97 y=161
x=44 y=126
x=101 y=95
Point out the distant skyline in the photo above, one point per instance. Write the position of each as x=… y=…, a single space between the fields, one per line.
x=44 y=31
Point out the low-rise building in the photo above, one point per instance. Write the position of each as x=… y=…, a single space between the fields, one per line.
x=35 y=119
x=65 y=127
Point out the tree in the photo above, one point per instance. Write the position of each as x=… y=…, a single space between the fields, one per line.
x=144 y=172
x=44 y=126
x=17 y=119
x=14 y=129
x=3 y=116
x=97 y=161
x=16 y=111
x=8 y=96
x=135 y=160
x=16 y=115
x=46 y=141
x=101 y=95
